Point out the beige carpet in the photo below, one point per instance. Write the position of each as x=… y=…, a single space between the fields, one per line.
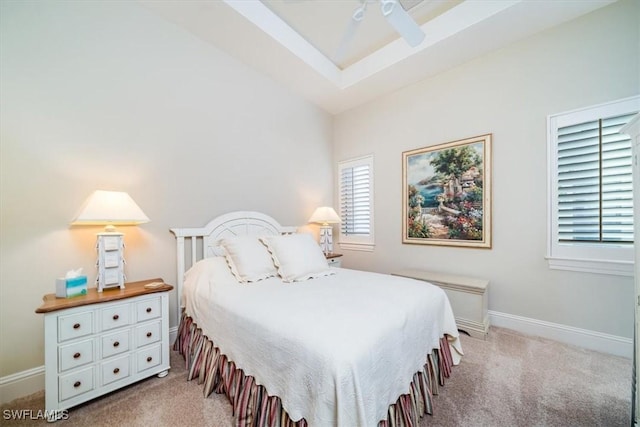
x=509 y=380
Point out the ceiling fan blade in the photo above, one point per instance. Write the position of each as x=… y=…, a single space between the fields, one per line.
x=350 y=32
x=402 y=22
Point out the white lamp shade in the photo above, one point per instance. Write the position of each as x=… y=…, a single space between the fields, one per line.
x=110 y=207
x=325 y=215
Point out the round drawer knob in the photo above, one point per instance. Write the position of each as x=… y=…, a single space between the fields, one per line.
x=77 y=384
x=116 y=317
x=117 y=343
x=76 y=326
x=149 y=334
x=148 y=309
x=149 y=359
x=76 y=356
x=115 y=371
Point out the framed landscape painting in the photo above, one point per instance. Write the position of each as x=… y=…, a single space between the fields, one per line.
x=447 y=194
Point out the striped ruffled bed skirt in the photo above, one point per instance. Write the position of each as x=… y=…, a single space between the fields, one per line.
x=252 y=405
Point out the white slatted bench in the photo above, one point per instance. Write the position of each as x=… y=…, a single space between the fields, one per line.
x=468 y=296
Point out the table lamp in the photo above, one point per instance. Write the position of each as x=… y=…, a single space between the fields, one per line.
x=110 y=208
x=325 y=215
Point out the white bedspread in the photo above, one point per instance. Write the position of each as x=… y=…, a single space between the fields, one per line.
x=337 y=350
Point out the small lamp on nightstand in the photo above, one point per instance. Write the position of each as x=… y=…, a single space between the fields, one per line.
x=325 y=215
x=110 y=208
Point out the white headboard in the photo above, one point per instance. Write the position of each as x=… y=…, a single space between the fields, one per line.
x=204 y=242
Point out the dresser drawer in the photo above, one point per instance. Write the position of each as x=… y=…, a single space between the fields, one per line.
x=116 y=316
x=148 y=333
x=115 y=343
x=334 y=262
x=149 y=357
x=116 y=369
x=75 y=325
x=148 y=309
x=75 y=354
x=75 y=383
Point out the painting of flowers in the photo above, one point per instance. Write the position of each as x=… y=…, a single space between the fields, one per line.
x=447 y=194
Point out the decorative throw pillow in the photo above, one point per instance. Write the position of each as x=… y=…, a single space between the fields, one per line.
x=297 y=257
x=248 y=259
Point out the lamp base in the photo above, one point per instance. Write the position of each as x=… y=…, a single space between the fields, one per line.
x=326 y=239
x=110 y=261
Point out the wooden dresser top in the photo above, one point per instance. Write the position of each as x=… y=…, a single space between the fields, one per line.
x=131 y=289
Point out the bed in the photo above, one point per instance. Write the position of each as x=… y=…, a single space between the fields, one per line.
x=293 y=342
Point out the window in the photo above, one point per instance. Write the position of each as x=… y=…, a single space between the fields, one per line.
x=356 y=203
x=591 y=188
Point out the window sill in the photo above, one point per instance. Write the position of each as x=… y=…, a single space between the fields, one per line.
x=615 y=268
x=364 y=247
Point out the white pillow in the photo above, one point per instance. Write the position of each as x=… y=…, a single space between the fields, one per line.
x=297 y=257
x=197 y=275
x=248 y=258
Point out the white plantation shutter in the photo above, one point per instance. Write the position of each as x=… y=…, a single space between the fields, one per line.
x=355 y=206
x=595 y=194
x=356 y=202
x=591 y=189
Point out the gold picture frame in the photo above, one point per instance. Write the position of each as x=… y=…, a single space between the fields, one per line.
x=446 y=194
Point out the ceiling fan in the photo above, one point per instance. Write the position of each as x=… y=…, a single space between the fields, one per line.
x=395 y=15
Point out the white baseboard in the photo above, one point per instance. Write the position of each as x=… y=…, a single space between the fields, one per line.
x=592 y=340
x=32 y=380
x=173 y=333
x=21 y=384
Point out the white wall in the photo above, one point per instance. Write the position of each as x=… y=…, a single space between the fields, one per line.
x=508 y=93
x=105 y=95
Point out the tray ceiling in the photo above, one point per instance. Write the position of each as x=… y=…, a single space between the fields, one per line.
x=294 y=41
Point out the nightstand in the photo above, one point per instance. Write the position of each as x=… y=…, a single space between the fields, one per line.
x=334 y=260
x=99 y=342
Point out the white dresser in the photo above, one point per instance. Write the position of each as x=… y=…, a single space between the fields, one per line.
x=469 y=298
x=103 y=341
